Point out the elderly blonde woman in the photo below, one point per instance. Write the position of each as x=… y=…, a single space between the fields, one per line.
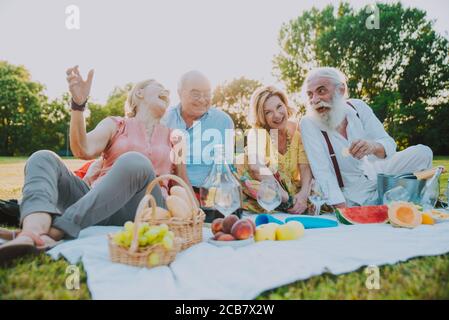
x=56 y=203
x=278 y=156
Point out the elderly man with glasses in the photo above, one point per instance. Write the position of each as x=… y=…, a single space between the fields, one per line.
x=204 y=125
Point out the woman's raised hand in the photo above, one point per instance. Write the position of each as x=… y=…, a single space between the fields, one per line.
x=79 y=89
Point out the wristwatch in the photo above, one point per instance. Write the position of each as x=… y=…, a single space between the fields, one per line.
x=78 y=107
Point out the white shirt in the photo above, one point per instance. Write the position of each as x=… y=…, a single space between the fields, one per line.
x=358 y=188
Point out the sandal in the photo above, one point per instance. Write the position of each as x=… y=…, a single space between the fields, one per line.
x=8 y=253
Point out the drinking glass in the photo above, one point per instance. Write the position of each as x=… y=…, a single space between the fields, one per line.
x=269 y=195
x=319 y=195
x=227 y=199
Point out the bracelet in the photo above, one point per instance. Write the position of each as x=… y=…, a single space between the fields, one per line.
x=78 y=107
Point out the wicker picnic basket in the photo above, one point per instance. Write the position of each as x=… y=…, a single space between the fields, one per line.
x=190 y=230
x=141 y=256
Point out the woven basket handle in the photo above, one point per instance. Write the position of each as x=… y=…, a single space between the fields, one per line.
x=143 y=204
x=190 y=194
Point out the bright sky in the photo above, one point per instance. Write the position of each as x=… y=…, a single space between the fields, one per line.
x=130 y=40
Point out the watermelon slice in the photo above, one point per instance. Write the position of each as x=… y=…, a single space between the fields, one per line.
x=363 y=215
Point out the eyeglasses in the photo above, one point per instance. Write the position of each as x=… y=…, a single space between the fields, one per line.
x=196 y=95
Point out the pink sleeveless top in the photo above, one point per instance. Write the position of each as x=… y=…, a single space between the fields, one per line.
x=131 y=135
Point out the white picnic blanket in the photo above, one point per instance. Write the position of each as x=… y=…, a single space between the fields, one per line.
x=208 y=272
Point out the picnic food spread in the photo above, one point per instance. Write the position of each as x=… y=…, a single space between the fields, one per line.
x=437 y=215
x=178 y=205
x=148 y=235
x=158 y=234
x=362 y=215
x=404 y=214
x=291 y=230
x=142 y=245
x=398 y=214
x=232 y=228
x=427 y=219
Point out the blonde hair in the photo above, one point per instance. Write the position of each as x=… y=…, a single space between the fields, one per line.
x=133 y=100
x=258 y=100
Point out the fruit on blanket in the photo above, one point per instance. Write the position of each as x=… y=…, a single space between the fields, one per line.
x=228 y=222
x=182 y=193
x=178 y=207
x=129 y=226
x=123 y=239
x=427 y=219
x=404 y=214
x=217 y=225
x=167 y=242
x=287 y=232
x=363 y=215
x=439 y=215
x=218 y=235
x=225 y=237
x=266 y=232
x=147 y=235
x=232 y=228
x=153 y=259
x=242 y=230
x=298 y=227
x=252 y=225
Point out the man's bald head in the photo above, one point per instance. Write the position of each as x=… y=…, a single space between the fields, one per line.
x=192 y=79
x=194 y=91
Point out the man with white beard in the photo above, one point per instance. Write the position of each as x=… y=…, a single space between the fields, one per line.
x=347 y=145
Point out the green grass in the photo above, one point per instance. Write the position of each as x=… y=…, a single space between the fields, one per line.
x=443 y=161
x=40 y=278
x=5 y=160
x=419 y=278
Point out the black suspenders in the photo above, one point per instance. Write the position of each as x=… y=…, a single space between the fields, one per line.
x=332 y=152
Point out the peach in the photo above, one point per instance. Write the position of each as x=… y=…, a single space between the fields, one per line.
x=225 y=237
x=228 y=222
x=217 y=225
x=218 y=235
x=242 y=230
x=252 y=224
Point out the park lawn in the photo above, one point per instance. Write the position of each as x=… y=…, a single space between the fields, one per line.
x=42 y=278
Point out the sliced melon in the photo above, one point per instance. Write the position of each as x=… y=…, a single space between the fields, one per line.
x=404 y=214
x=363 y=215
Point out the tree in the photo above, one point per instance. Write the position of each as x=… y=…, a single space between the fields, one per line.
x=28 y=120
x=51 y=129
x=114 y=107
x=400 y=69
x=20 y=105
x=234 y=98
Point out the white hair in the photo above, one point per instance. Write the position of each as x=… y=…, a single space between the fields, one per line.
x=335 y=75
x=187 y=76
x=332 y=119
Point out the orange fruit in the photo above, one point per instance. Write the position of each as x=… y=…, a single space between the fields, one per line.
x=427 y=219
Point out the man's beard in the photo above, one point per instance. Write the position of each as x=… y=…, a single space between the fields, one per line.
x=333 y=118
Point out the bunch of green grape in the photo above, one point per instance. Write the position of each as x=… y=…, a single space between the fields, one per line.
x=148 y=235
